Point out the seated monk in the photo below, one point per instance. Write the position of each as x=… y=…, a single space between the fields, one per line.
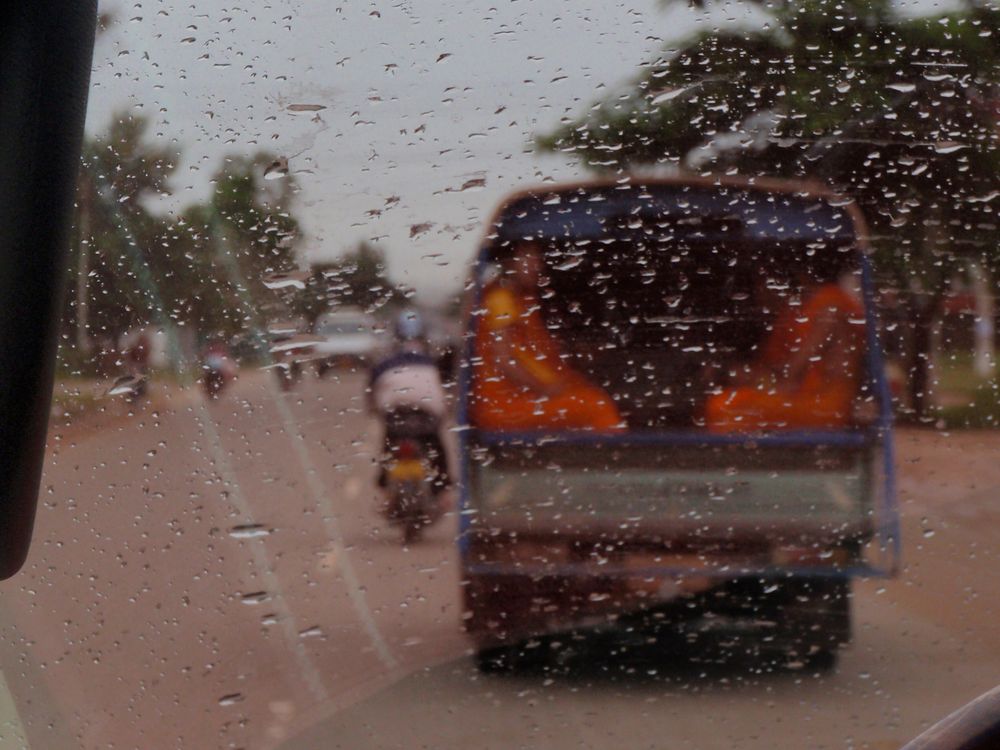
x=806 y=375
x=520 y=379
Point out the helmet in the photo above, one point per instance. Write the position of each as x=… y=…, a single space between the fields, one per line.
x=410 y=326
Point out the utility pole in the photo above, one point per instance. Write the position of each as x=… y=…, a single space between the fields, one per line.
x=985 y=332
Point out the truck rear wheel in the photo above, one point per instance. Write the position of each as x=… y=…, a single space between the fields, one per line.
x=527 y=656
x=496 y=660
x=819 y=614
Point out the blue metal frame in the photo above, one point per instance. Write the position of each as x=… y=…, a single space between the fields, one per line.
x=727 y=572
x=889 y=529
x=464 y=386
x=792 y=438
x=887 y=532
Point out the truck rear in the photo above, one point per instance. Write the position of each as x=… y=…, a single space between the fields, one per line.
x=670 y=524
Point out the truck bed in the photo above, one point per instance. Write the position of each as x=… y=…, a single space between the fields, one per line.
x=677 y=489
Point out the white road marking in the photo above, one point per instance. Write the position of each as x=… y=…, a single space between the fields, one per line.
x=327 y=562
x=332 y=527
x=262 y=562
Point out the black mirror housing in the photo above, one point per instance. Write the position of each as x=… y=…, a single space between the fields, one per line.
x=46 y=52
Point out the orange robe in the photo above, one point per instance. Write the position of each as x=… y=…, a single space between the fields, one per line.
x=499 y=404
x=824 y=396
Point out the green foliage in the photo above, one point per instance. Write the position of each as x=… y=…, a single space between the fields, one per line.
x=901 y=113
x=357 y=279
x=201 y=270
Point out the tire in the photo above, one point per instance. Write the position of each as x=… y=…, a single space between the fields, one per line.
x=521 y=657
x=213 y=385
x=493 y=660
x=407 y=508
x=285 y=378
x=821 y=621
x=824 y=660
x=413 y=529
x=499 y=660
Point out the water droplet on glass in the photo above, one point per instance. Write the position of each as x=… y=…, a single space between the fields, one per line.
x=302 y=342
x=294 y=279
x=666 y=96
x=276 y=169
x=948 y=147
x=231 y=699
x=249 y=531
x=127 y=385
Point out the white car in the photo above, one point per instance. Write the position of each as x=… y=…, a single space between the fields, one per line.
x=346 y=336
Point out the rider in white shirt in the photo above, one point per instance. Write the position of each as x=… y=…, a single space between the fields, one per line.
x=405 y=390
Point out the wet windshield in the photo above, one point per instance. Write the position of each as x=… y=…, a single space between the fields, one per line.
x=521 y=375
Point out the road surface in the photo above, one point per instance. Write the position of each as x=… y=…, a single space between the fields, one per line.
x=214 y=575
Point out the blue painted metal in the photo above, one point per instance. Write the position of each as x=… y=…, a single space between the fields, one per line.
x=761 y=215
x=591 y=570
x=464 y=388
x=791 y=438
x=889 y=529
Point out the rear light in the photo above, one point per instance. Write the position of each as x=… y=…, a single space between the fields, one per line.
x=408 y=450
x=815 y=556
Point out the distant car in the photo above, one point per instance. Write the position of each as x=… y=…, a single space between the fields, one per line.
x=344 y=337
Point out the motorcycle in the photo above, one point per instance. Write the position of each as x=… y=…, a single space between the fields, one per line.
x=217 y=372
x=408 y=475
x=214 y=381
x=288 y=374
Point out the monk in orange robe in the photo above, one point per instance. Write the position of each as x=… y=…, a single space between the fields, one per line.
x=806 y=375
x=520 y=381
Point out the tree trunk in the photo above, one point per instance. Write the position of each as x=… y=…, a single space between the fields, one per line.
x=984 y=346
x=923 y=312
x=933 y=278
x=82 y=274
x=918 y=370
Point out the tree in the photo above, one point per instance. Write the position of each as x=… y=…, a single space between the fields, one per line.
x=248 y=235
x=898 y=112
x=119 y=171
x=205 y=268
x=358 y=278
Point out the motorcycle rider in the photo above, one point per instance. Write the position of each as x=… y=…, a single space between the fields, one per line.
x=405 y=391
x=217 y=365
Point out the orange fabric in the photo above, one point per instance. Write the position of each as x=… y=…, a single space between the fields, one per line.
x=499 y=404
x=824 y=395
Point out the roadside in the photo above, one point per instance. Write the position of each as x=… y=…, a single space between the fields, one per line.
x=963 y=398
x=82 y=407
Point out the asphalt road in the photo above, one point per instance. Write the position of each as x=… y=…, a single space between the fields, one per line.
x=215 y=575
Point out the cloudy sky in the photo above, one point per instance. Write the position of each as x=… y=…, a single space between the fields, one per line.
x=418 y=97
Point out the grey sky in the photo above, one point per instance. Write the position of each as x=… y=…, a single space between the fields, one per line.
x=419 y=95
x=217 y=78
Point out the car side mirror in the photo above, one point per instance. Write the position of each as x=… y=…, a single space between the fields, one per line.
x=46 y=52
